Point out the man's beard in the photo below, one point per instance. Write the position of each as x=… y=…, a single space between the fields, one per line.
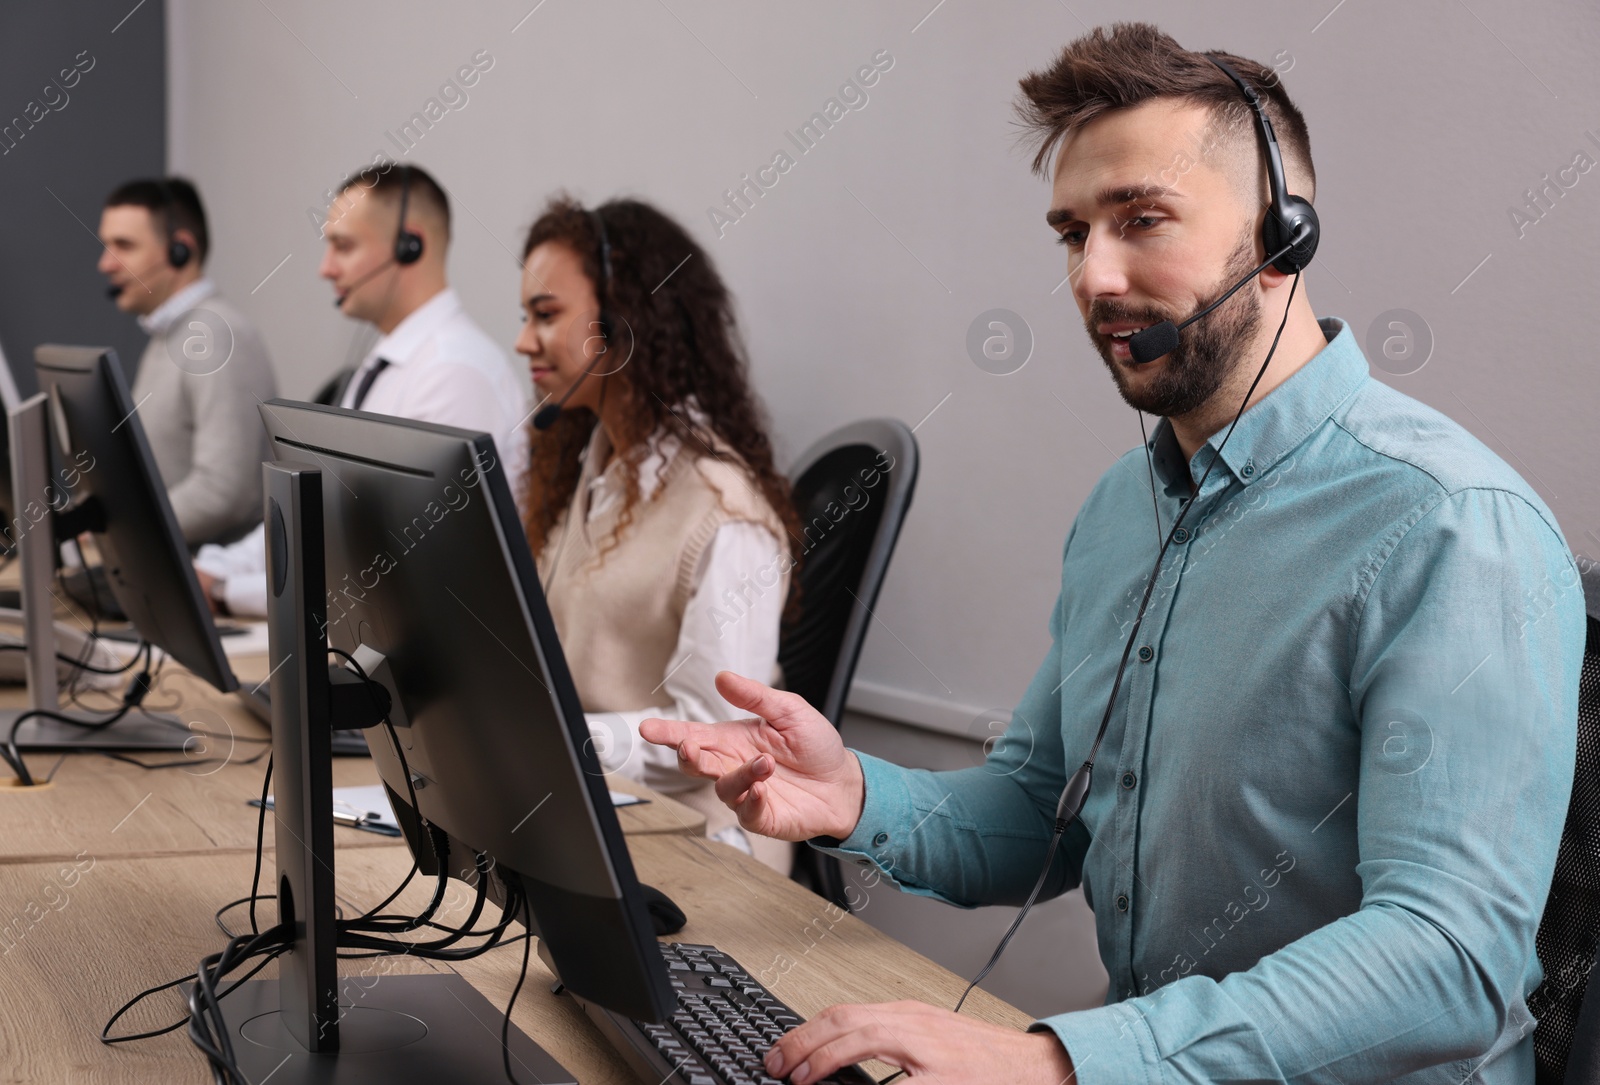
x=1207 y=353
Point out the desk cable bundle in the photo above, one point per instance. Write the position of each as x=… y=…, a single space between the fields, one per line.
x=373 y=933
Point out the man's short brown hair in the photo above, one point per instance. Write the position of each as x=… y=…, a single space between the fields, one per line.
x=1137 y=63
x=387 y=178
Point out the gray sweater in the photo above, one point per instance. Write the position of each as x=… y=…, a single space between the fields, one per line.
x=197 y=395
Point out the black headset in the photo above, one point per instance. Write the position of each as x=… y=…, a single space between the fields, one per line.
x=1286 y=214
x=604 y=290
x=407 y=243
x=178 y=252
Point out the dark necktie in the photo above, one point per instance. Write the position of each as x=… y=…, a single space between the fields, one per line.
x=366 y=382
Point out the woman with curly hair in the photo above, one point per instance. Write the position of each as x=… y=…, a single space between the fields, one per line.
x=663 y=533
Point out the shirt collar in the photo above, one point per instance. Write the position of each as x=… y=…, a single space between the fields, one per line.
x=408 y=336
x=159 y=319
x=663 y=450
x=1277 y=423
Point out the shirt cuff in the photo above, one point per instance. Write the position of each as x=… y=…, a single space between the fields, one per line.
x=1110 y=1045
x=212 y=560
x=246 y=595
x=883 y=816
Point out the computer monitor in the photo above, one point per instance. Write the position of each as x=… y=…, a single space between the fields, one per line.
x=109 y=485
x=430 y=583
x=10 y=400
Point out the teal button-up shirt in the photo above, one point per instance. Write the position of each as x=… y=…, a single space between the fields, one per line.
x=1324 y=819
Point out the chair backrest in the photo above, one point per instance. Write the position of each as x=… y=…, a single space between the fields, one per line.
x=1566 y=1041
x=851 y=490
x=332 y=392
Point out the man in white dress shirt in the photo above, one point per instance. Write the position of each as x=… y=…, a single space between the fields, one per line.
x=432 y=364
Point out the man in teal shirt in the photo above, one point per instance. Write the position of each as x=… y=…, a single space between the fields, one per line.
x=1326 y=810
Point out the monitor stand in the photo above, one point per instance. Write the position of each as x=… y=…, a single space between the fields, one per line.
x=392 y=1029
x=36 y=542
x=310 y=1025
x=137 y=731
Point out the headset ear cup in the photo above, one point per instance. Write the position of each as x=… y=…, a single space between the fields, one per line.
x=1280 y=225
x=178 y=254
x=407 y=247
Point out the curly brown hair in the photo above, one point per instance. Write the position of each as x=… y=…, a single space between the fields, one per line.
x=666 y=295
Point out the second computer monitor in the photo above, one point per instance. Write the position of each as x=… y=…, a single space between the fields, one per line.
x=427 y=566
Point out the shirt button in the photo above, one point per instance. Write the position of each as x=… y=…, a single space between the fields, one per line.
x=1122 y=903
x=1129 y=779
x=880 y=840
x=1146 y=653
x=1248 y=470
x=1181 y=535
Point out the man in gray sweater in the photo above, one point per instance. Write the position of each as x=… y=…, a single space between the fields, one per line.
x=205 y=368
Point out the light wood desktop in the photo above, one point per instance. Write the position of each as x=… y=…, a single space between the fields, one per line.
x=109 y=879
x=128 y=924
x=109 y=808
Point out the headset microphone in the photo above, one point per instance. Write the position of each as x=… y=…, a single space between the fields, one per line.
x=1159 y=340
x=547 y=415
x=338 y=300
x=1289 y=232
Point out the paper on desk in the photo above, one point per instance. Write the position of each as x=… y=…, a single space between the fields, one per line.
x=250 y=640
x=373 y=800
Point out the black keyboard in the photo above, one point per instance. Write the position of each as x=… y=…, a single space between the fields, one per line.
x=725 y=1024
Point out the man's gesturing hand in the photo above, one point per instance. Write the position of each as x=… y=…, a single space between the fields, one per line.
x=928 y=1043
x=787 y=774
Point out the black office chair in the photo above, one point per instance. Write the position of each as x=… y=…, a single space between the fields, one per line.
x=850 y=510
x=332 y=392
x=1566 y=1041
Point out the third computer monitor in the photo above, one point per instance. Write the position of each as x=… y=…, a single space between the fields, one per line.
x=100 y=441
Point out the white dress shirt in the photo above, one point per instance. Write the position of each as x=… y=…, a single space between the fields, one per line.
x=441 y=368
x=715 y=635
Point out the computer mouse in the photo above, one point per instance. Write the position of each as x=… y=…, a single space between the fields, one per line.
x=665 y=916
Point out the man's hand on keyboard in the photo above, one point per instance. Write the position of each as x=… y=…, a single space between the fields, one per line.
x=786 y=774
x=925 y=1041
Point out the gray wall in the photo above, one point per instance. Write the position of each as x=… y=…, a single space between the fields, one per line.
x=59 y=160
x=859 y=273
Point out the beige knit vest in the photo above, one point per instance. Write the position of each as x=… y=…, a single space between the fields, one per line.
x=618 y=600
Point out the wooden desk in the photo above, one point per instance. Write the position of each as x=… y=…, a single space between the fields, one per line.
x=125 y=925
x=111 y=809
